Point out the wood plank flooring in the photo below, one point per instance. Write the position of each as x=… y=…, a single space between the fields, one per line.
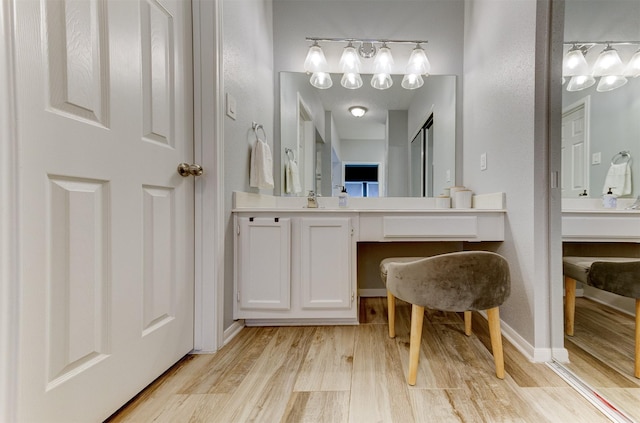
x=602 y=353
x=358 y=374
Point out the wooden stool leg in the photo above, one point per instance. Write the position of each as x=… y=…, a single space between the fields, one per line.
x=467 y=323
x=391 y=311
x=636 y=373
x=417 y=316
x=496 y=340
x=569 y=304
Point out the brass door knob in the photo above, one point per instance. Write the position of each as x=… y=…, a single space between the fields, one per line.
x=186 y=169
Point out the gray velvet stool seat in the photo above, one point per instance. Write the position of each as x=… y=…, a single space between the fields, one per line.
x=459 y=282
x=619 y=275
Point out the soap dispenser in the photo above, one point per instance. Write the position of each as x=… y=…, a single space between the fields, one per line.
x=342 y=198
x=609 y=201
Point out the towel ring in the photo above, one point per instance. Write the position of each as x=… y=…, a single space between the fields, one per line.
x=625 y=156
x=256 y=127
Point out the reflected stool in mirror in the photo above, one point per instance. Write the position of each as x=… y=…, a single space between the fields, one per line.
x=459 y=282
x=618 y=275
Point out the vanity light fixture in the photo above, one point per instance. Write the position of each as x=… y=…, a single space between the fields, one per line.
x=382 y=66
x=633 y=68
x=350 y=65
x=358 y=111
x=417 y=67
x=316 y=64
x=574 y=62
x=608 y=66
x=608 y=63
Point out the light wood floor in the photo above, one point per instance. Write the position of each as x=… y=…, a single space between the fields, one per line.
x=602 y=353
x=358 y=374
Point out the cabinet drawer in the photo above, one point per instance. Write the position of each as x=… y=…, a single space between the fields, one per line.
x=430 y=226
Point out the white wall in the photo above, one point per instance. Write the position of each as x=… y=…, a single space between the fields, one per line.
x=499 y=119
x=439 y=101
x=438 y=21
x=248 y=76
x=397 y=154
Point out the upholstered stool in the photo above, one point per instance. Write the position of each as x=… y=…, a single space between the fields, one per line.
x=459 y=282
x=619 y=275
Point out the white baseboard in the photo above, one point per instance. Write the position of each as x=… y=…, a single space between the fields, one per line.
x=233 y=330
x=536 y=355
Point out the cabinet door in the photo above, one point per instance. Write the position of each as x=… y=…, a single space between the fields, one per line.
x=263 y=264
x=325 y=264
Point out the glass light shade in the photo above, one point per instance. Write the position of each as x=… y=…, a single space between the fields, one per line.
x=315 y=61
x=633 y=68
x=580 y=82
x=412 y=81
x=610 y=82
x=357 y=111
x=321 y=80
x=349 y=61
x=381 y=81
x=608 y=63
x=383 y=62
x=418 y=62
x=574 y=63
x=351 y=80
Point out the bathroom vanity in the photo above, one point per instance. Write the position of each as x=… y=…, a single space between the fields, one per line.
x=586 y=220
x=298 y=265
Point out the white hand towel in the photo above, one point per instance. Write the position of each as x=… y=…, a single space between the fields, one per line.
x=287 y=178
x=618 y=179
x=295 y=177
x=261 y=171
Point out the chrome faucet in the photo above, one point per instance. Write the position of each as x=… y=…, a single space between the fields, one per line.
x=312 y=200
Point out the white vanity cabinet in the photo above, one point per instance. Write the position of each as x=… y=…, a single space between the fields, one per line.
x=263 y=260
x=325 y=263
x=295 y=268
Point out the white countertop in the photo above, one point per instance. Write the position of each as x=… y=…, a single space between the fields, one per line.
x=249 y=202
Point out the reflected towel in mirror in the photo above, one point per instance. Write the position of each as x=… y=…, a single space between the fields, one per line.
x=618 y=179
x=261 y=171
x=292 y=178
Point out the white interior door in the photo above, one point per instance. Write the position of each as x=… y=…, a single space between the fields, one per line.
x=575 y=151
x=104 y=93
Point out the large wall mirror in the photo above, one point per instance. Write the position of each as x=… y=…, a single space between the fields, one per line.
x=597 y=127
x=600 y=129
x=328 y=143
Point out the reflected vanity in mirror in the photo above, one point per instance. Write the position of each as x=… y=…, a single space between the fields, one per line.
x=596 y=128
x=386 y=149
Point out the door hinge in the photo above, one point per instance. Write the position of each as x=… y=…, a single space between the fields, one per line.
x=353 y=296
x=238 y=296
x=238 y=230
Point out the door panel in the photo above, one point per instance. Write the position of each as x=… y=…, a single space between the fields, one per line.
x=104 y=97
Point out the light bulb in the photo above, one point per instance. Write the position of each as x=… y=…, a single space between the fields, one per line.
x=574 y=63
x=412 y=81
x=580 y=82
x=351 y=80
x=381 y=81
x=383 y=62
x=349 y=61
x=608 y=63
x=633 y=68
x=418 y=62
x=315 y=61
x=321 y=80
x=610 y=82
